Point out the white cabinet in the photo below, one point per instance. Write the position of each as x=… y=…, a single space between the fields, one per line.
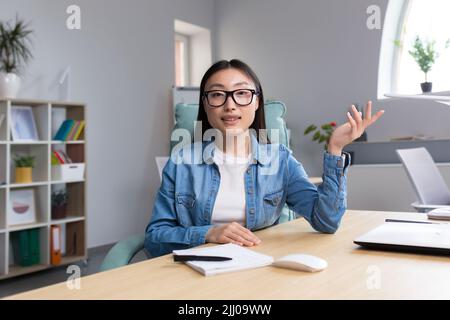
x=383 y=187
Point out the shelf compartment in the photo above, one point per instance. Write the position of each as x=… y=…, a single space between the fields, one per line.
x=41 y=204
x=75 y=151
x=41 y=117
x=38 y=253
x=75 y=202
x=40 y=171
x=74 y=239
x=60 y=113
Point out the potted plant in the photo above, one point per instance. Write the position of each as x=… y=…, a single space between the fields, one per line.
x=425 y=55
x=322 y=133
x=24 y=168
x=59 y=204
x=14 y=53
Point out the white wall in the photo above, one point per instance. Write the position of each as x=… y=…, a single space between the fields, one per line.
x=123 y=68
x=319 y=57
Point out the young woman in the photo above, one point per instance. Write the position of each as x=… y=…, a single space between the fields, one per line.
x=243 y=182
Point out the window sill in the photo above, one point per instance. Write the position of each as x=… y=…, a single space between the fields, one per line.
x=440 y=97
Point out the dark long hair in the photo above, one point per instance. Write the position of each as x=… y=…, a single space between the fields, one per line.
x=259 y=122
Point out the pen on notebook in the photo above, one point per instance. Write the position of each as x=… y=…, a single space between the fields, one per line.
x=181 y=258
x=409 y=221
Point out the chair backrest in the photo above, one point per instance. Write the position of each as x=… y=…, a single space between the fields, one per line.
x=161 y=162
x=186 y=115
x=428 y=183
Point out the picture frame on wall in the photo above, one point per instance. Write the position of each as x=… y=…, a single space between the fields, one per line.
x=21 y=207
x=23 y=124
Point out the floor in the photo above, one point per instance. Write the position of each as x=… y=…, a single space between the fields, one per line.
x=58 y=274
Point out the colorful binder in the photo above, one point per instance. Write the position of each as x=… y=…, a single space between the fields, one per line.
x=80 y=130
x=21 y=248
x=34 y=246
x=64 y=130
x=26 y=246
x=71 y=125
x=55 y=245
x=73 y=131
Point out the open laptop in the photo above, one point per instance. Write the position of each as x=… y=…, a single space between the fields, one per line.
x=415 y=237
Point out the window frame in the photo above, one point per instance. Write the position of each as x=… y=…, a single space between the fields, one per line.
x=394 y=26
x=185 y=39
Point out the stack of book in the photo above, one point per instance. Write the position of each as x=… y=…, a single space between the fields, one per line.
x=70 y=130
x=26 y=247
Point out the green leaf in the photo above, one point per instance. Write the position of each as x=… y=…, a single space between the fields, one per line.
x=424 y=53
x=317 y=136
x=14 y=45
x=24 y=161
x=310 y=129
x=59 y=197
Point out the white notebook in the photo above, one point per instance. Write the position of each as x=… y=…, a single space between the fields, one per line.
x=242 y=259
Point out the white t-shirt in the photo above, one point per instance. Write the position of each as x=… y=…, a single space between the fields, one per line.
x=230 y=202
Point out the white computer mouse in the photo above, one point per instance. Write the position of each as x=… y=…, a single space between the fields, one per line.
x=302 y=262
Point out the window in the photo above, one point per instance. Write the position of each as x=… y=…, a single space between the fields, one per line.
x=193 y=54
x=405 y=20
x=181 y=60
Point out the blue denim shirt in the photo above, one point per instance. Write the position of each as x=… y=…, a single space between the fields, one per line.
x=184 y=203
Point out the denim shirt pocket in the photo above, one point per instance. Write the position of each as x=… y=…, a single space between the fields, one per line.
x=271 y=202
x=185 y=206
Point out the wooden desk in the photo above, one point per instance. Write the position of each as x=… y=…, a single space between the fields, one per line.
x=402 y=276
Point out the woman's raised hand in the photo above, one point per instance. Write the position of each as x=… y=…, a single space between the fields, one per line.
x=353 y=129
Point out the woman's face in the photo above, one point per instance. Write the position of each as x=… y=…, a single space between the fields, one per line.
x=230 y=118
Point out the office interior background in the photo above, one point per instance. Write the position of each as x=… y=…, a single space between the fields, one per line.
x=316 y=56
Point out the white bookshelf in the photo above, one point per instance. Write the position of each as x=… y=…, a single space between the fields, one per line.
x=48 y=117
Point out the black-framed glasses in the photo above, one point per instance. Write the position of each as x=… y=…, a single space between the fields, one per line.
x=242 y=97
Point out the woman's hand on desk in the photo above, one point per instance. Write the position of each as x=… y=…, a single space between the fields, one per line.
x=232 y=233
x=353 y=129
